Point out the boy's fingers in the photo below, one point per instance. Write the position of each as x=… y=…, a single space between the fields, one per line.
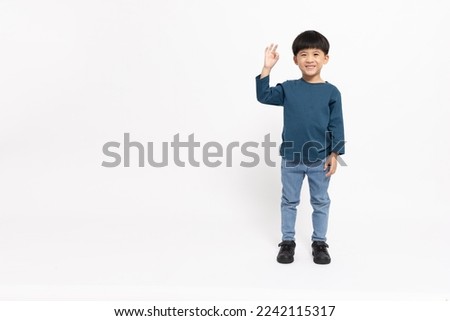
x=332 y=170
x=330 y=166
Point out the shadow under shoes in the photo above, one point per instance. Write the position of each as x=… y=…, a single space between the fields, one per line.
x=287 y=251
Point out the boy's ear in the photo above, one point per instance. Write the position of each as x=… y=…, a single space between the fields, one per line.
x=326 y=59
x=295 y=60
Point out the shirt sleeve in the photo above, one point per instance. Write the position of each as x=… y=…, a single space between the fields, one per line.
x=269 y=95
x=336 y=124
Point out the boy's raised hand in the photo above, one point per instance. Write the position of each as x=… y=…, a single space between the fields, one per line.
x=270 y=59
x=271 y=56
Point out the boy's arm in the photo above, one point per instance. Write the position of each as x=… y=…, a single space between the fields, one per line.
x=336 y=127
x=264 y=93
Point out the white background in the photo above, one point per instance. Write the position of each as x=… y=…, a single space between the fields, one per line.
x=77 y=74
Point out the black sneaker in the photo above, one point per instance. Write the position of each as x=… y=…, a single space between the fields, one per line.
x=320 y=252
x=286 y=253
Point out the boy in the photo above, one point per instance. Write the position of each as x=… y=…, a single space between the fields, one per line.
x=313 y=137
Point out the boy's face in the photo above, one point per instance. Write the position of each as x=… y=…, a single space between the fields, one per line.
x=310 y=62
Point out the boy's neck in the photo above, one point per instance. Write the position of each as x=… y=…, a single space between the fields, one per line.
x=313 y=79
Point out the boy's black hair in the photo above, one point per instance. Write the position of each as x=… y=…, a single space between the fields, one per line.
x=310 y=39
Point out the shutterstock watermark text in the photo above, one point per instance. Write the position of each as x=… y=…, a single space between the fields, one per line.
x=185 y=152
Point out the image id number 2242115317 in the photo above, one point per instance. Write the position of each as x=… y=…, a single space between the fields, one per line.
x=295 y=311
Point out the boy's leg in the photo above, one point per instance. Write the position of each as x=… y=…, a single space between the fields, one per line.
x=320 y=201
x=292 y=175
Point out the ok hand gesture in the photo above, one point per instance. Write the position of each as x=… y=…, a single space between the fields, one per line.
x=271 y=56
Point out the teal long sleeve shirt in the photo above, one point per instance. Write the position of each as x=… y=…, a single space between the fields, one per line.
x=313 y=125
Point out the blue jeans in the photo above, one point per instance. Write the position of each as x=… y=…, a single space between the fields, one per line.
x=292 y=175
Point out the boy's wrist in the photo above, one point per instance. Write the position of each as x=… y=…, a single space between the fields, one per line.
x=265 y=71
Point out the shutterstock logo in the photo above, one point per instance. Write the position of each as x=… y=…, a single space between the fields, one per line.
x=183 y=152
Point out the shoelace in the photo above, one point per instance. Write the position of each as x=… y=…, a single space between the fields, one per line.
x=321 y=247
x=285 y=247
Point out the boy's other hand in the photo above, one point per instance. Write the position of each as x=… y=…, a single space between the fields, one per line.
x=331 y=164
x=271 y=56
